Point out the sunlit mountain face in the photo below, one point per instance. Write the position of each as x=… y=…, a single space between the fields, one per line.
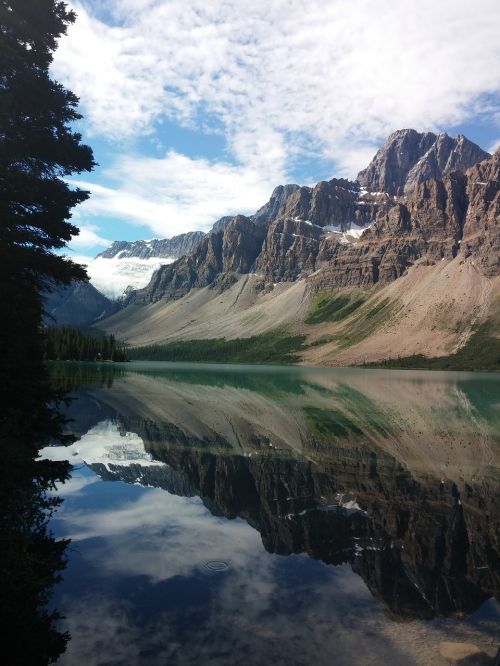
x=276 y=513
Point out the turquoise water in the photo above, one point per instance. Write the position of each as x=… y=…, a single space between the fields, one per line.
x=232 y=514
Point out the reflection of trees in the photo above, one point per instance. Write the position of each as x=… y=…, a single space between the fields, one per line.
x=30 y=558
x=69 y=376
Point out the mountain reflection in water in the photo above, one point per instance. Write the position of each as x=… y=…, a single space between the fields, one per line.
x=393 y=477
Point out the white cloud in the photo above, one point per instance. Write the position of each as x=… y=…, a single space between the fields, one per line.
x=279 y=80
x=176 y=194
x=106 y=66
x=88 y=236
x=287 y=75
x=164 y=542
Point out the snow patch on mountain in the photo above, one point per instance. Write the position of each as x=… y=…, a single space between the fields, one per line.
x=351 y=235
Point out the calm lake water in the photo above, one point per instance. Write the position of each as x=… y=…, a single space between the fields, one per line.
x=258 y=515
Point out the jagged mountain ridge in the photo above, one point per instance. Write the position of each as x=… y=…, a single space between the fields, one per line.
x=163 y=248
x=438 y=220
x=128 y=265
x=309 y=223
x=269 y=211
x=311 y=233
x=425 y=271
x=409 y=158
x=404 y=160
x=437 y=244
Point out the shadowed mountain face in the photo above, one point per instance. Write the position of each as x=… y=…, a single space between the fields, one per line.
x=76 y=305
x=395 y=474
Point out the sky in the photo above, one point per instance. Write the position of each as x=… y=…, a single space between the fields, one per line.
x=197 y=109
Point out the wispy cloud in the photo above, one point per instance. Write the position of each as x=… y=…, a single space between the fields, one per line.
x=88 y=236
x=331 y=71
x=175 y=194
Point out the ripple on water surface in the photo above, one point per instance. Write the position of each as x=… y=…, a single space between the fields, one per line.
x=215 y=566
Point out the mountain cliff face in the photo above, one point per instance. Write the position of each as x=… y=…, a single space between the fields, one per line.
x=233 y=248
x=313 y=225
x=76 y=305
x=309 y=223
x=349 y=237
x=279 y=198
x=481 y=229
x=408 y=158
x=431 y=254
x=439 y=219
x=221 y=223
x=337 y=203
x=289 y=250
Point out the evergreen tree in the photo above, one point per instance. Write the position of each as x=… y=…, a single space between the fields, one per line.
x=37 y=144
x=64 y=343
x=38 y=148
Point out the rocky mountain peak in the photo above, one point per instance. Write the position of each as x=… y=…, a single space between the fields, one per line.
x=221 y=223
x=279 y=198
x=445 y=156
x=389 y=168
x=458 y=215
x=337 y=203
x=409 y=157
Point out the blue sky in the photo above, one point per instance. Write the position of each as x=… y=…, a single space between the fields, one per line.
x=199 y=109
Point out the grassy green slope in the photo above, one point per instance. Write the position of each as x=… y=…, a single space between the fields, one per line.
x=273 y=347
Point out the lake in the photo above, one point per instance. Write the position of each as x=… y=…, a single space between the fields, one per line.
x=268 y=515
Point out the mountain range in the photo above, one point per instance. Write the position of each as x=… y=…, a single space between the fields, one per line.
x=404 y=260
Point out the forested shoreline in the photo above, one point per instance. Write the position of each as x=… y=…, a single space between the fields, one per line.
x=65 y=343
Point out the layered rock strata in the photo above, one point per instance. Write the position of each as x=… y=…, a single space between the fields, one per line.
x=458 y=216
x=312 y=223
x=303 y=231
